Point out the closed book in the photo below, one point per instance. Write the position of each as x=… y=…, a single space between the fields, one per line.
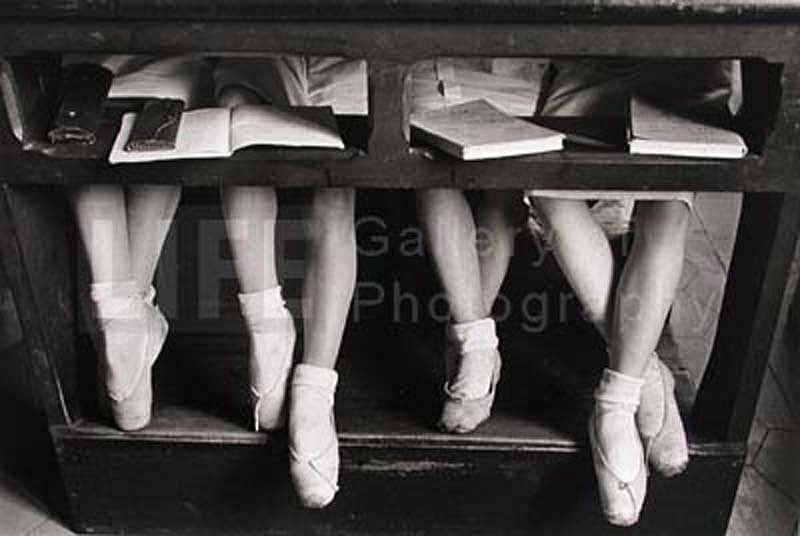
x=477 y=130
x=655 y=130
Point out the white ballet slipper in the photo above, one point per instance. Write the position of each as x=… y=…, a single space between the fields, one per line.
x=132 y=334
x=472 y=365
x=659 y=421
x=617 y=451
x=272 y=339
x=313 y=444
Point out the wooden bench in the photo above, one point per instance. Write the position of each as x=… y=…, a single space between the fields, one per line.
x=198 y=467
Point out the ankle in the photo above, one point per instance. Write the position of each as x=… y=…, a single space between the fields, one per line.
x=474 y=335
x=619 y=390
x=320 y=380
x=263 y=308
x=115 y=300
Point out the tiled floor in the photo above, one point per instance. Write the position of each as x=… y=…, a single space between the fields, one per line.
x=768 y=499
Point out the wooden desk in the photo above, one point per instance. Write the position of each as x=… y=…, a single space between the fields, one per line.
x=169 y=474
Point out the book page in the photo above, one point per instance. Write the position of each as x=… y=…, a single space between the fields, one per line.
x=203 y=133
x=479 y=123
x=253 y=124
x=652 y=123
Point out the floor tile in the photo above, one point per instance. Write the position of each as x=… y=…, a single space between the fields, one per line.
x=772 y=412
x=694 y=353
x=700 y=252
x=785 y=364
x=777 y=461
x=760 y=509
x=694 y=315
x=719 y=214
x=19 y=513
x=772 y=408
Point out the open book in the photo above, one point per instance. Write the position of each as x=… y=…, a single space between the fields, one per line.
x=477 y=130
x=219 y=132
x=656 y=131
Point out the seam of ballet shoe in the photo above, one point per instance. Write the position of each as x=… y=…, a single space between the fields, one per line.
x=332 y=484
x=128 y=392
x=493 y=381
x=308 y=459
x=149 y=361
x=604 y=461
x=611 y=516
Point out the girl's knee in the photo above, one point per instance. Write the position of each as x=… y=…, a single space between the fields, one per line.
x=560 y=215
x=234 y=95
x=332 y=212
x=432 y=201
x=662 y=222
x=334 y=203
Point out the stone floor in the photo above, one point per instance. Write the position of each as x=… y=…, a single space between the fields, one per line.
x=768 y=499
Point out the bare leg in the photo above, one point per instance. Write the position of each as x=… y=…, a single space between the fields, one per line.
x=250 y=214
x=497 y=217
x=330 y=274
x=150 y=209
x=327 y=292
x=103 y=226
x=584 y=254
x=447 y=220
x=648 y=284
x=472 y=362
x=131 y=331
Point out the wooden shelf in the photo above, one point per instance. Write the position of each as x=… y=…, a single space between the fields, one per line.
x=308 y=168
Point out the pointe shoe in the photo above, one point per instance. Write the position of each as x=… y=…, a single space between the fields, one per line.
x=621 y=496
x=272 y=339
x=659 y=421
x=472 y=365
x=313 y=444
x=132 y=334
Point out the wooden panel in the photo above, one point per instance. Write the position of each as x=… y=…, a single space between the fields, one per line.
x=212 y=489
x=35 y=248
x=425 y=10
x=404 y=42
x=388 y=113
x=31 y=92
x=581 y=171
